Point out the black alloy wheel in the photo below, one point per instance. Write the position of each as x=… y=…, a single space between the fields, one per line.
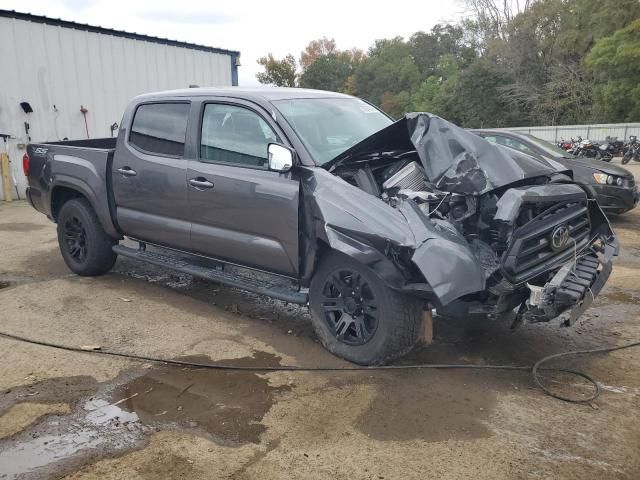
x=357 y=316
x=75 y=238
x=350 y=308
x=85 y=246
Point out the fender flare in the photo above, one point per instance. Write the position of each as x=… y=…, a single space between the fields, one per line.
x=367 y=255
x=63 y=181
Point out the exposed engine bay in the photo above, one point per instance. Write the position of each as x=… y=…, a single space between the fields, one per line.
x=537 y=242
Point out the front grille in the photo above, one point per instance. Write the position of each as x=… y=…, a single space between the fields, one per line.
x=628 y=182
x=531 y=252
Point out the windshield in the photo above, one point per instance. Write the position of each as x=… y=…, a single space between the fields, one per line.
x=548 y=147
x=329 y=126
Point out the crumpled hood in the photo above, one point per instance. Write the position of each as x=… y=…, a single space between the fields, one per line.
x=454 y=159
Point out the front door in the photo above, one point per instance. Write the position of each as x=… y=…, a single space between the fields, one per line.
x=239 y=210
x=149 y=175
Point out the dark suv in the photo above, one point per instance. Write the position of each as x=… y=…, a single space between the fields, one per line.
x=371 y=222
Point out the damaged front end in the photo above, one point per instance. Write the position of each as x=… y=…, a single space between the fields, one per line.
x=471 y=227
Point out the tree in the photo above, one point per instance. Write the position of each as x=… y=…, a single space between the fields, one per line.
x=428 y=48
x=281 y=73
x=437 y=94
x=495 y=16
x=326 y=67
x=511 y=62
x=584 y=22
x=328 y=72
x=614 y=62
x=479 y=99
x=316 y=49
x=388 y=70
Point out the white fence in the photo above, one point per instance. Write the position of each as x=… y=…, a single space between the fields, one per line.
x=596 y=132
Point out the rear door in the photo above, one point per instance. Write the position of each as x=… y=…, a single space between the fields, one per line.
x=239 y=210
x=149 y=175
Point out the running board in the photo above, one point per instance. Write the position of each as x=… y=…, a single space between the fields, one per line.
x=213 y=274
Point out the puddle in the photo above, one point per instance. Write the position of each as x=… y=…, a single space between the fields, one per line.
x=4 y=284
x=98 y=426
x=20 y=227
x=227 y=405
x=51 y=390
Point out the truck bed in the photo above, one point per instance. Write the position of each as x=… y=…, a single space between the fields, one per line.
x=99 y=143
x=78 y=165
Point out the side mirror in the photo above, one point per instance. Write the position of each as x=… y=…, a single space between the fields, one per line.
x=280 y=158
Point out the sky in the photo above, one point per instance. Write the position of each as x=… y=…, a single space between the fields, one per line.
x=254 y=27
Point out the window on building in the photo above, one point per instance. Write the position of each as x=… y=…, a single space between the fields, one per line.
x=235 y=135
x=160 y=128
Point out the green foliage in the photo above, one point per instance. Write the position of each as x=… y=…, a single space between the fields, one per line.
x=281 y=73
x=388 y=71
x=614 y=63
x=428 y=48
x=328 y=72
x=508 y=63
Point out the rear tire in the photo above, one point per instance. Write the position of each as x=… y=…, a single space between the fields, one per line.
x=85 y=246
x=626 y=159
x=359 y=318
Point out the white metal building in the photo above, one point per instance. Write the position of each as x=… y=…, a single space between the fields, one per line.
x=77 y=79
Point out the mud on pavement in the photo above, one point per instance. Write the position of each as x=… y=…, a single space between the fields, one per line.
x=82 y=416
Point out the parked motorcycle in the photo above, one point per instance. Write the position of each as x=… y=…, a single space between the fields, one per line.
x=587 y=148
x=615 y=146
x=606 y=151
x=566 y=144
x=631 y=150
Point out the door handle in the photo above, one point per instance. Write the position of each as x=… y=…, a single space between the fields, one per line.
x=127 y=172
x=200 y=183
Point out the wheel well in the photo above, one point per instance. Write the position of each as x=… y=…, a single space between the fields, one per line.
x=60 y=196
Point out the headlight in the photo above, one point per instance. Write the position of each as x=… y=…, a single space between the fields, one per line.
x=601 y=178
x=605 y=179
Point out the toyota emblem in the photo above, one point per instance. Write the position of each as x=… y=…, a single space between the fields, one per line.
x=559 y=237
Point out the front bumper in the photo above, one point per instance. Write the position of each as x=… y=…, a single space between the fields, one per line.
x=614 y=199
x=574 y=287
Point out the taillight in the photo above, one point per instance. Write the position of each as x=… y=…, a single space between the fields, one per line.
x=25 y=164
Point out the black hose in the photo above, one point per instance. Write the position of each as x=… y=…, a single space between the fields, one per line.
x=291 y=368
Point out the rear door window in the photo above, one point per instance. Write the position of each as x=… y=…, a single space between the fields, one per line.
x=235 y=135
x=160 y=128
x=509 y=142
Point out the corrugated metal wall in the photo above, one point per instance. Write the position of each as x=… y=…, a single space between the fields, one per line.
x=595 y=132
x=57 y=69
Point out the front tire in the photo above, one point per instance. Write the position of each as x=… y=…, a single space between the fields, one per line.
x=85 y=246
x=359 y=318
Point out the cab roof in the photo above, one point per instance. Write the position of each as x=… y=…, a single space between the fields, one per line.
x=263 y=94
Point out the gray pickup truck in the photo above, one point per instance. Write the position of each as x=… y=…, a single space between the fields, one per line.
x=370 y=222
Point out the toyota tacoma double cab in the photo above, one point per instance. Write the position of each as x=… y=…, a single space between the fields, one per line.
x=370 y=222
